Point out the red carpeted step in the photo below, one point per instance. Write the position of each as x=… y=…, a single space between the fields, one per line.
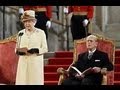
x=116 y=76
x=65 y=58
x=117 y=52
x=51 y=76
x=117 y=60
x=117 y=68
x=60 y=61
x=51 y=83
x=116 y=82
x=53 y=68
x=64 y=54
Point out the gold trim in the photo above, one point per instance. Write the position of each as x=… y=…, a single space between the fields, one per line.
x=9 y=39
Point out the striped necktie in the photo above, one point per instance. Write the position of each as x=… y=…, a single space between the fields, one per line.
x=90 y=55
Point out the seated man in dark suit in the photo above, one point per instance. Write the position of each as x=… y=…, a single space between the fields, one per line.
x=98 y=62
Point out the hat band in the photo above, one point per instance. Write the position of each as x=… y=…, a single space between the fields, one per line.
x=27 y=18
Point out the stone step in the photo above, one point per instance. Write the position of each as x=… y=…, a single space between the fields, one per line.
x=49 y=54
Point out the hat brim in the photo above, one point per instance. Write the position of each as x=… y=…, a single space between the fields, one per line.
x=27 y=19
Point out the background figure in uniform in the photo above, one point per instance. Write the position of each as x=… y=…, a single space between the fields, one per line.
x=43 y=15
x=81 y=16
x=31 y=45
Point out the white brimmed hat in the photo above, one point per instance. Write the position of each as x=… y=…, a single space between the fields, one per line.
x=28 y=15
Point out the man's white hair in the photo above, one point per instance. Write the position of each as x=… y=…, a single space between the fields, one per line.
x=92 y=36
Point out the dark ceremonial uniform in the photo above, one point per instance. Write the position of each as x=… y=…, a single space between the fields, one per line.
x=80 y=13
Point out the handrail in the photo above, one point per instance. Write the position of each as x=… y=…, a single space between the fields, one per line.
x=9 y=12
x=11 y=7
x=60 y=23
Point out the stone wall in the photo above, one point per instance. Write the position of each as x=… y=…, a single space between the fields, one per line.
x=9 y=21
x=106 y=22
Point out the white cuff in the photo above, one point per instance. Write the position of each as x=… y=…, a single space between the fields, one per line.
x=85 y=22
x=65 y=10
x=21 y=10
x=48 y=24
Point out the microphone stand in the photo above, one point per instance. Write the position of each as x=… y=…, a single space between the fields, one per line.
x=19 y=39
x=20 y=51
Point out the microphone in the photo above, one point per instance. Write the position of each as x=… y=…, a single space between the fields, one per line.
x=20 y=34
x=19 y=40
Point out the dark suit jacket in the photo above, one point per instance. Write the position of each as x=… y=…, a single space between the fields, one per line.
x=99 y=59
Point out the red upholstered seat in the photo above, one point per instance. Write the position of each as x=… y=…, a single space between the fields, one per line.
x=105 y=45
x=8 y=61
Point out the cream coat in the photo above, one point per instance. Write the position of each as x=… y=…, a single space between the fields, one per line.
x=30 y=70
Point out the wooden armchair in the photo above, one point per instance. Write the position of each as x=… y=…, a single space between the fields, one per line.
x=105 y=45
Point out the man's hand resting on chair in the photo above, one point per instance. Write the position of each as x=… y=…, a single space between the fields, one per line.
x=62 y=71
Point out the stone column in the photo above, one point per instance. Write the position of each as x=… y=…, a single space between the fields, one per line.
x=104 y=17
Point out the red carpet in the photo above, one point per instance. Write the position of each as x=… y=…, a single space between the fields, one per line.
x=64 y=59
x=61 y=59
x=117 y=68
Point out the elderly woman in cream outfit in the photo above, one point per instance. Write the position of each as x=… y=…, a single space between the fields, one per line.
x=31 y=45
